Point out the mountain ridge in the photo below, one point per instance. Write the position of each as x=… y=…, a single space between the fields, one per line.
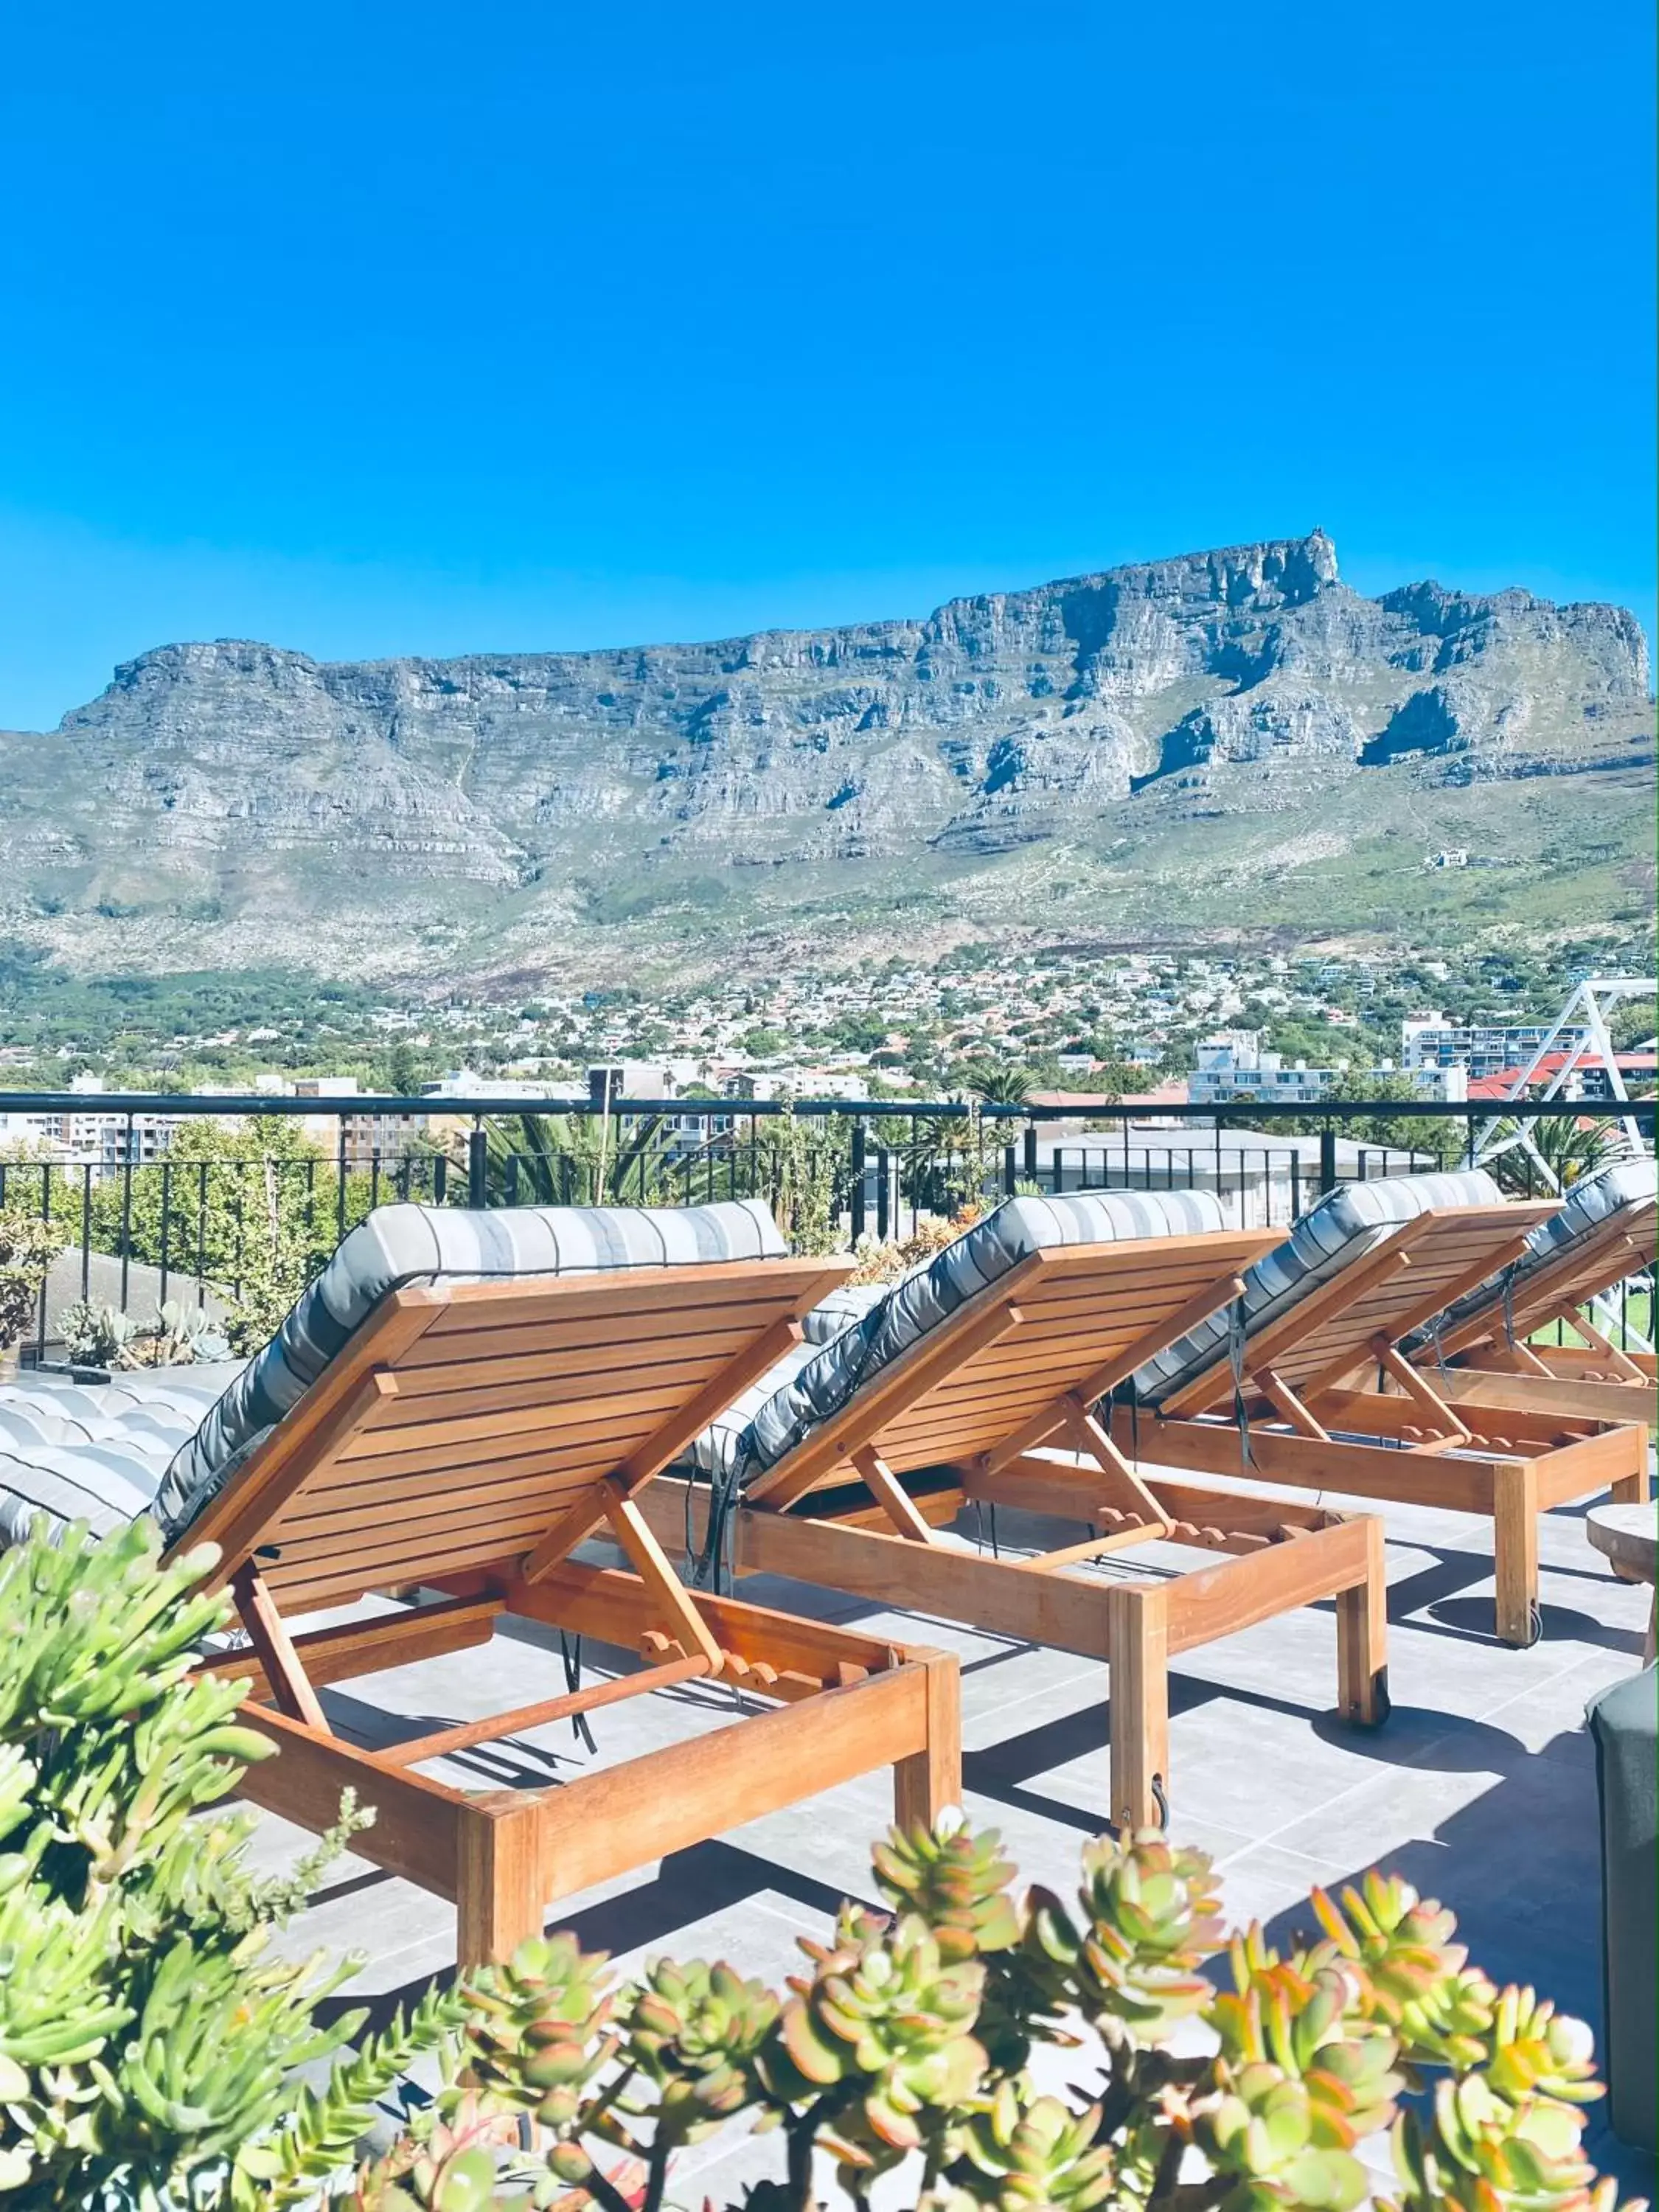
x=1227 y=707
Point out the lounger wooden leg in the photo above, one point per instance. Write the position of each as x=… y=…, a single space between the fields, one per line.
x=1362 y=1638
x=1632 y=1491
x=1515 y=1547
x=929 y=1781
x=1136 y=1638
x=500 y=1882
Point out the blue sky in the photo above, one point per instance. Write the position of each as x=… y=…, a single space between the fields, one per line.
x=373 y=329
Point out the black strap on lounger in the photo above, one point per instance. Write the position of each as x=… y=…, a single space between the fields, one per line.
x=980 y=1512
x=716 y=1557
x=1509 y=1307
x=1236 y=1361
x=570 y=1650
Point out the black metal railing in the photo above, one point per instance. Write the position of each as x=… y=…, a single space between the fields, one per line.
x=229 y=1204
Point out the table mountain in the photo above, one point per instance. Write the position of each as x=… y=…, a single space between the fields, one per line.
x=1229 y=719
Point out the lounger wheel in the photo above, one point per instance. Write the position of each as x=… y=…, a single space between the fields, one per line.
x=1382 y=1703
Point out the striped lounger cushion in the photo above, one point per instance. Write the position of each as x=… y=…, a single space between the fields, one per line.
x=96 y=1452
x=1623 y=1188
x=1341 y=1229
x=109 y=1463
x=813 y=1382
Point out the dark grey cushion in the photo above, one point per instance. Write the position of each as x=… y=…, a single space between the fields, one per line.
x=1624 y=1187
x=807 y=1391
x=840 y=1310
x=1341 y=1229
x=1625 y=1722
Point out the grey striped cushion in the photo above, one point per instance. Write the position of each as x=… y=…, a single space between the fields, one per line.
x=716 y=1450
x=167 y=1442
x=400 y=1244
x=1342 y=1228
x=95 y=1452
x=1623 y=1188
x=840 y=1310
x=822 y=1385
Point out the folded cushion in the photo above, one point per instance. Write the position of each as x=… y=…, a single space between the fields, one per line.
x=1623 y=1188
x=817 y=1387
x=1341 y=1229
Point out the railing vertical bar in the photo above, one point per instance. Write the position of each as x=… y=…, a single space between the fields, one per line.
x=40 y=1301
x=126 y=1212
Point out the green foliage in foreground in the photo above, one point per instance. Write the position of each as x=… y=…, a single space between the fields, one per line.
x=908 y=2044
x=149 y=2034
x=152 y=2037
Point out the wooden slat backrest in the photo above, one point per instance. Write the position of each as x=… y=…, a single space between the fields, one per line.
x=462 y=1418
x=1594 y=1263
x=960 y=1390
x=1427 y=1262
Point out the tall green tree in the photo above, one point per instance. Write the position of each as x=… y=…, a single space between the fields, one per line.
x=253 y=1209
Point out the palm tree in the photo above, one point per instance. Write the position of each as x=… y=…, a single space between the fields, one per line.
x=557 y=1159
x=1569 y=1147
x=1007 y=1082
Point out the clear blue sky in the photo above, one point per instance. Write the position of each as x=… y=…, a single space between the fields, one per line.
x=373 y=329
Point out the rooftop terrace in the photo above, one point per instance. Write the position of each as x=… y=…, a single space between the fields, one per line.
x=1481 y=1789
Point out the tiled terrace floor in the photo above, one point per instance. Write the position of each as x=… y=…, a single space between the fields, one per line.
x=1480 y=1790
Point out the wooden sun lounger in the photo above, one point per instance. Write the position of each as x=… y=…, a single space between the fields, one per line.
x=978 y=1406
x=1313 y=1370
x=1475 y=1362
x=465 y=1442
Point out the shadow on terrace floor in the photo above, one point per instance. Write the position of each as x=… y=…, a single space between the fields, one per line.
x=1520 y=1866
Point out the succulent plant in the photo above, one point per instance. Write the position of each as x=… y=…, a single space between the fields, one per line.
x=879 y=2037
x=1481 y=2151
x=150 y=2034
x=696 y=2032
x=1419 y=1982
x=539 y=2030
x=1304 y=2077
x=96 y=1335
x=955 y=1879
x=1149 y=1917
x=1025 y=2153
x=179 y=1336
x=151 y=2037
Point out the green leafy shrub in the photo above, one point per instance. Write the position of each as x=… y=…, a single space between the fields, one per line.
x=150 y=2035
x=28 y=1246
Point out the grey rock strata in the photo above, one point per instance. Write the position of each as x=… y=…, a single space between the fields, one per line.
x=217 y=786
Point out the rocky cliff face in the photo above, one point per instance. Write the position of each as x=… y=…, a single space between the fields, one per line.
x=225 y=786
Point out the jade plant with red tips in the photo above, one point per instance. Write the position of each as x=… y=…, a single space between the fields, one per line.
x=900 y=2060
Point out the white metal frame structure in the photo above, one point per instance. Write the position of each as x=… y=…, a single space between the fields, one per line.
x=1586 y=1010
